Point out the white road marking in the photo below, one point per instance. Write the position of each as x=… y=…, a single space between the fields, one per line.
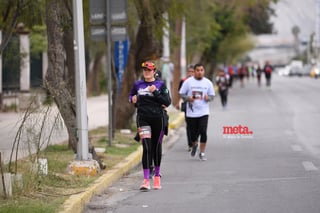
x=296 y=148
x=309 y=166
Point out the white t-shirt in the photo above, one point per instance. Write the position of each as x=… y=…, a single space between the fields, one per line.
x=198 y=89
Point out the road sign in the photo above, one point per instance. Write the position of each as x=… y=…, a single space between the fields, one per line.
x=118 y=33
x=98 y=33
x=97 y=11
x=118 y=11
x=121 y=51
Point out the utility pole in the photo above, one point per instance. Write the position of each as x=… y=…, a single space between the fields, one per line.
x=317 y=39
x=81 y=88
x=109 y=67
x=183 y=48
x=166 y=72
x=83 y=164
x=0 y=72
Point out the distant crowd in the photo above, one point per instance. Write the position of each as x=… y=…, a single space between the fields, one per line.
x=248 y=71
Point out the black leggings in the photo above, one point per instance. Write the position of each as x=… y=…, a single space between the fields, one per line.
x=190 y=144
x=198 y=127
x=152 y=147
x=223 y=95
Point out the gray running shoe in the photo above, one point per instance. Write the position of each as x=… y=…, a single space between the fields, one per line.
x=202 y=156
x=194 y=150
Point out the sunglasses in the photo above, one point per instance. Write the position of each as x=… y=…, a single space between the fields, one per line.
x=146 y=69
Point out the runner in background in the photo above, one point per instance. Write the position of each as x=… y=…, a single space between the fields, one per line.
x=242 y=72
x=230 y=73
x=198 y=91
x=222 y=81
x=268 y=72
x=259 y=72
x=183 y=105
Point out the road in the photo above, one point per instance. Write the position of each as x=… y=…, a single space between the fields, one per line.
x=273 y=170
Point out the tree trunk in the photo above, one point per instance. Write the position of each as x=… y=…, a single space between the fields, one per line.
x=93 y=76
x=70 y=68
x=125 y=112
x=114 y=96
x=55 y=82
x=177 y=65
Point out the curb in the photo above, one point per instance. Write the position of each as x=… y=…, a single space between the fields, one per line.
x=177 y=122
x=76 y=203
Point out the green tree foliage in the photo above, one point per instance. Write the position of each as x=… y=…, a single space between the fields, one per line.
x=258 y=17
x=201 y=26
x=224 y=40
x=220 y=33
x=29 y=12
x=38 y=40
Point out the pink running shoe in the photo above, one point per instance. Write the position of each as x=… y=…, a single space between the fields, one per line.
x=145 y=186
x=156 y=182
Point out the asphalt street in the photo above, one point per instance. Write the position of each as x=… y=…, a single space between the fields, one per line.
x=273 y=170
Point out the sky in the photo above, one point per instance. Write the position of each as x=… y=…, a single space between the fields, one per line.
x=290 y=13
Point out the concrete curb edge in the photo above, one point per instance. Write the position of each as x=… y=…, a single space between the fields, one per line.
x=76 y=203
x=177 y=122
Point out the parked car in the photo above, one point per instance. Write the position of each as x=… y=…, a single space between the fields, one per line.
x=315 y=72
x=306 y=69
x=296 y=68
x=284 y=71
